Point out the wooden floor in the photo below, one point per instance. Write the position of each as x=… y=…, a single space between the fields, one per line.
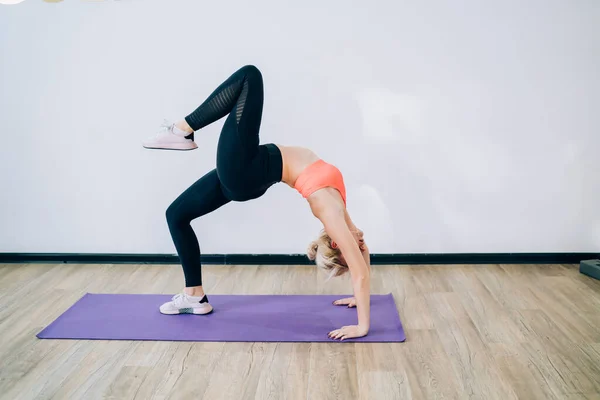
x=476 y=332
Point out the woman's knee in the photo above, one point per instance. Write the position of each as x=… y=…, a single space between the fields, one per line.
x=251 y=72
x=174 y=215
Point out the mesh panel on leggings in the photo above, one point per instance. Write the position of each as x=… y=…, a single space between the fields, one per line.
x=239 y=110
x=219 y=104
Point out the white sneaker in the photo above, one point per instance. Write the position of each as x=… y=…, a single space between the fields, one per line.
x=171 y=138
x=184 y=304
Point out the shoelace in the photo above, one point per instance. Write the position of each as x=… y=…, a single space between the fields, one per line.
x=178 y=299
x=166 y=126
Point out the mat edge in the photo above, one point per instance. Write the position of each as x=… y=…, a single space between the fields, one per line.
x=398 y=323
x=38 y=335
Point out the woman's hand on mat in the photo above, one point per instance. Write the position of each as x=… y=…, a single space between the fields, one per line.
x=348 y=332
x=350 y=302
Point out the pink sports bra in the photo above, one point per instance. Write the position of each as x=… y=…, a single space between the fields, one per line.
x=319 y=175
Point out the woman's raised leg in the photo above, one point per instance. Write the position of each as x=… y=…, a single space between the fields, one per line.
x=240 y=96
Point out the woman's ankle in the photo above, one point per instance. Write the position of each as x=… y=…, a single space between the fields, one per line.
x=194 y=291
x=184 y=126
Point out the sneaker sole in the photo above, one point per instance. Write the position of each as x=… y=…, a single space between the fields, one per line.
x=167 y=147
x=184 y=311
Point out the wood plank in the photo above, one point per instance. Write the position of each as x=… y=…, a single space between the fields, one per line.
x=237 y=372
x=468 y=355
x=332 y=371
x=285 y=375
x=379 y=375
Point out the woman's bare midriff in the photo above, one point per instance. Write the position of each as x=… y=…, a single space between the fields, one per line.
x=295 y=160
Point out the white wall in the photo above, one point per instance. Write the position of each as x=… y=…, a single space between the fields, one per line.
x=460 y=126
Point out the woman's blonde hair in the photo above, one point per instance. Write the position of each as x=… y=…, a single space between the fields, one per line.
x=325 y=256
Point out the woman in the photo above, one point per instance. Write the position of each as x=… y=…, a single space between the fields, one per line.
x=245 y=170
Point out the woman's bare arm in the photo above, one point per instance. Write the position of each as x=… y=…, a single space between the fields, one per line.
x=337 y=228
x=358 y=235
x=351 y=301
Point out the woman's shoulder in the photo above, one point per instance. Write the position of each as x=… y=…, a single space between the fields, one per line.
x=326 y=201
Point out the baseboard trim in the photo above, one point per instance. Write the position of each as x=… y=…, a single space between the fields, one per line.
x=300 y=259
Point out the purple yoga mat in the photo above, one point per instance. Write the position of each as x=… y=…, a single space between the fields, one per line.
x=236 y=318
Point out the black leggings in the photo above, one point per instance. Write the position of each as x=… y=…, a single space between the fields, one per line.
x=245 y=169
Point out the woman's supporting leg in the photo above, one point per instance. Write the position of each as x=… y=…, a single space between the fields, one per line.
x=201 y=198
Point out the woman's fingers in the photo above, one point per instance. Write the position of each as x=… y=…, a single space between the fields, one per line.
x=350 y=302
x=339 y=334
x=343 y=302
x=346 y=332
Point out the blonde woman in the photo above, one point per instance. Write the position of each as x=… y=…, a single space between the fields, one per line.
x=245 y=170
